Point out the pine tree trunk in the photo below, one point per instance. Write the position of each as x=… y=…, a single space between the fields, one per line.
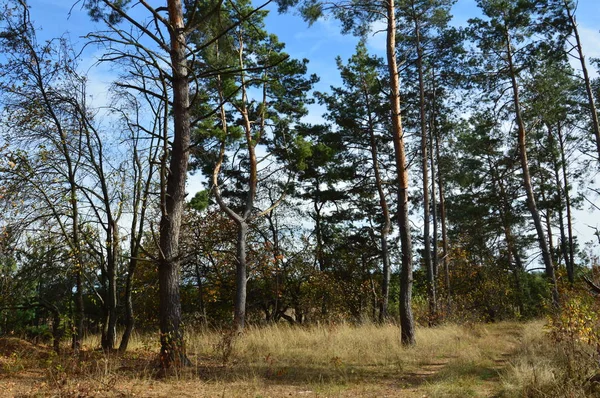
x=387 y=273
x=383 y=205
x=79 y=310
x=278 y=262
x=548 y=218
x=407 y=327
x=445 y=251
x=434 y=215
x=239 y=318
x=559 y=198
x=172 y=342
x=571 y=262
x=514 y=259
x=320 y=255
x=425 y=175
x=531 y=203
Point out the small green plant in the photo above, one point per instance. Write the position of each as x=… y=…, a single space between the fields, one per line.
x=14 y=363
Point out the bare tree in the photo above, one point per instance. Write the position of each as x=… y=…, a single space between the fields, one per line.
x=40 y=116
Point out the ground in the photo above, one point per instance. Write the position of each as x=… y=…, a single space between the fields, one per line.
x=332 y=361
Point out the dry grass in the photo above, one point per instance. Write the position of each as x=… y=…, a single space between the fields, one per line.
x=545 y=368
x=279 y=360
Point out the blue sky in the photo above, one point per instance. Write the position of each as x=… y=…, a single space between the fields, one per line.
x=321 y=43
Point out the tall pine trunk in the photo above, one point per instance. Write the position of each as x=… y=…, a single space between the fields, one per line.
x=559 y=200
x=566 y=188
x=434 y=215
x=425 y=175
x=385 y=228
x=513 y=256
x=531 y=203
x=239 y=318
x=407 y=326
x=172 y=342
x=445 y=251
x=548 y=218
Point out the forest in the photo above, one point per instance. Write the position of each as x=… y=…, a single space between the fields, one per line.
x=427 y=219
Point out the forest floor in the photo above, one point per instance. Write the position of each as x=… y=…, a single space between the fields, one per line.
x=473 y=360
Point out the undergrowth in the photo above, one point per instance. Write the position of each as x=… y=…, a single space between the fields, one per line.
x=559 y=358
x=504 y=359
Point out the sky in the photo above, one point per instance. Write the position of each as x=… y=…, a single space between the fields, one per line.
x=321 y=44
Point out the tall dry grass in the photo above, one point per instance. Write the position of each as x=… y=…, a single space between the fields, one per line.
x=364 y=345
x=542 y=367
x=504 y=359
x=324 y=353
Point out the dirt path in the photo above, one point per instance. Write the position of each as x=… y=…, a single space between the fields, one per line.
x=470 y=367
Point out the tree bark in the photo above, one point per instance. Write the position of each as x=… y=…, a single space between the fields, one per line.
x=239 y=318
x=586 y=78
x=425 y=175
x=548 y=217
x=278 y=308
x=531 y=203
x=561 y=222
x=559 y=200
x=320 y=255
x=385 y=228
x=407 y=327
x=129 y=320
x=108 y=342
x=514 y=259
x=445 y=251
x=566 y=189
x=56 y=332
x=75 y=244
x=172 y=341
x=434 y=216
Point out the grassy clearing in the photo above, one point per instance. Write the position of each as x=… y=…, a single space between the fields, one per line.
x=319 y=361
